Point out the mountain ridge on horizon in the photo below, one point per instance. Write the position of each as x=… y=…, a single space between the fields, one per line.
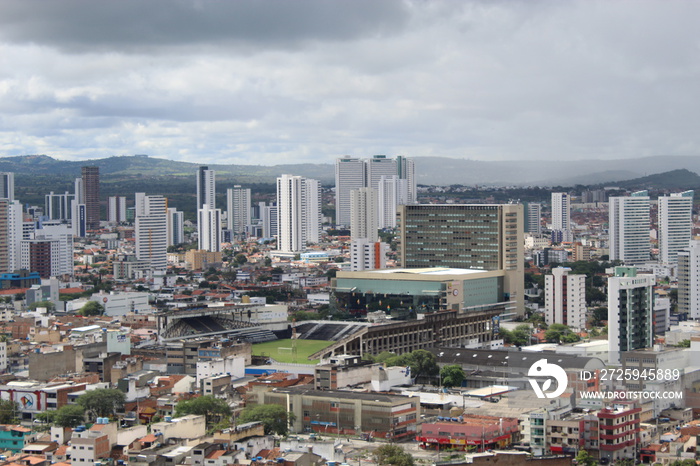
x=430 y=170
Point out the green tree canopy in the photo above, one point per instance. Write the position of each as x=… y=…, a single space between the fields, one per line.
x=452 y=375
x=422 y=363
x=559 y=333
x=275 y=418
x=8 y=411
x=215 y=409
x=393 y=455
x=47 y=304
x=104 y=402
x=69 y=416
x=92 y=308
x=585 y=459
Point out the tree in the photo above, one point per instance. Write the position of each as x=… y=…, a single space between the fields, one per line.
x=452 y=375
x=241 y=259
x=393 y=455
x=275 y=418
x=560 y=333
x=215 y=409
x=585 y=459
x=267 y=262
x=92 y=308
x=47 y=304
x=687 y=462
x=8 y=411
x=69 y=416
x=421 y=362
x=104 y=402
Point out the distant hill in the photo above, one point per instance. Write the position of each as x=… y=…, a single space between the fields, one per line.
x=673 y=180
x=429 y=170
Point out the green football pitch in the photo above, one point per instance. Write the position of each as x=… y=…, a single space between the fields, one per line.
x=290 y=351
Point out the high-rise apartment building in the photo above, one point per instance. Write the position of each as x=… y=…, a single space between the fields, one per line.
x=689 y=280
x=533 y=217
x=352 y=173
x=377 y=167
x=298 y=212
x=565 y=298
x=392 y=192
x=628 y=228
x=406 y=169
x=4 y=236
x=58 y=206
x=206 y=188
x=466 y=236
x=630 y=311
x=50 y=252
x=367 y=255
x=17 y=230
x=349 y=176
x=675 y=223
x=91 y=196
x=268 y=220
x=151 y=230
x=176 y=226
x=79 y=219
x=363 y=214
x=7 y=186
x=209 y=221
x=116 y=207
x=238 y=215
x=561 y=211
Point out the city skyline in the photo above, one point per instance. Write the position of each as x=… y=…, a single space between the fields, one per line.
x=240 y=82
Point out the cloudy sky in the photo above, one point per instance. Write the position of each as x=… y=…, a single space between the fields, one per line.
x=267 y=82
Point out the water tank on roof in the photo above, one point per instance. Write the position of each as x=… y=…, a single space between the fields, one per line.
x=168 y=418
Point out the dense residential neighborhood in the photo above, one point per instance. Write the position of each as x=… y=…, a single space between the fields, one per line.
x=527 y=332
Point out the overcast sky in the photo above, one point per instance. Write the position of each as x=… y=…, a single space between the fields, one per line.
x=267 y=82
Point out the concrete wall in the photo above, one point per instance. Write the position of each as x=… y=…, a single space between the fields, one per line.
x=45 y=366
x=186 y=427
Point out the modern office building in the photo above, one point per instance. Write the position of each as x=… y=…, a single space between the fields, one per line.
x=628 y=228
x=151 y=230
x=630 y=311
x=58 y=206
x=689 y=280
x=238 y=214
x=565 y=298
x=675 y=224
x=116 y=209
x=91 y=196
x=176 y=226
x=298 y=213
x=353 y=173
x=392 y=193
x=561 y=212
x=209 y=221
x=533 y=216
x=363 y=214
x=7 y=186
x=465 y=236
